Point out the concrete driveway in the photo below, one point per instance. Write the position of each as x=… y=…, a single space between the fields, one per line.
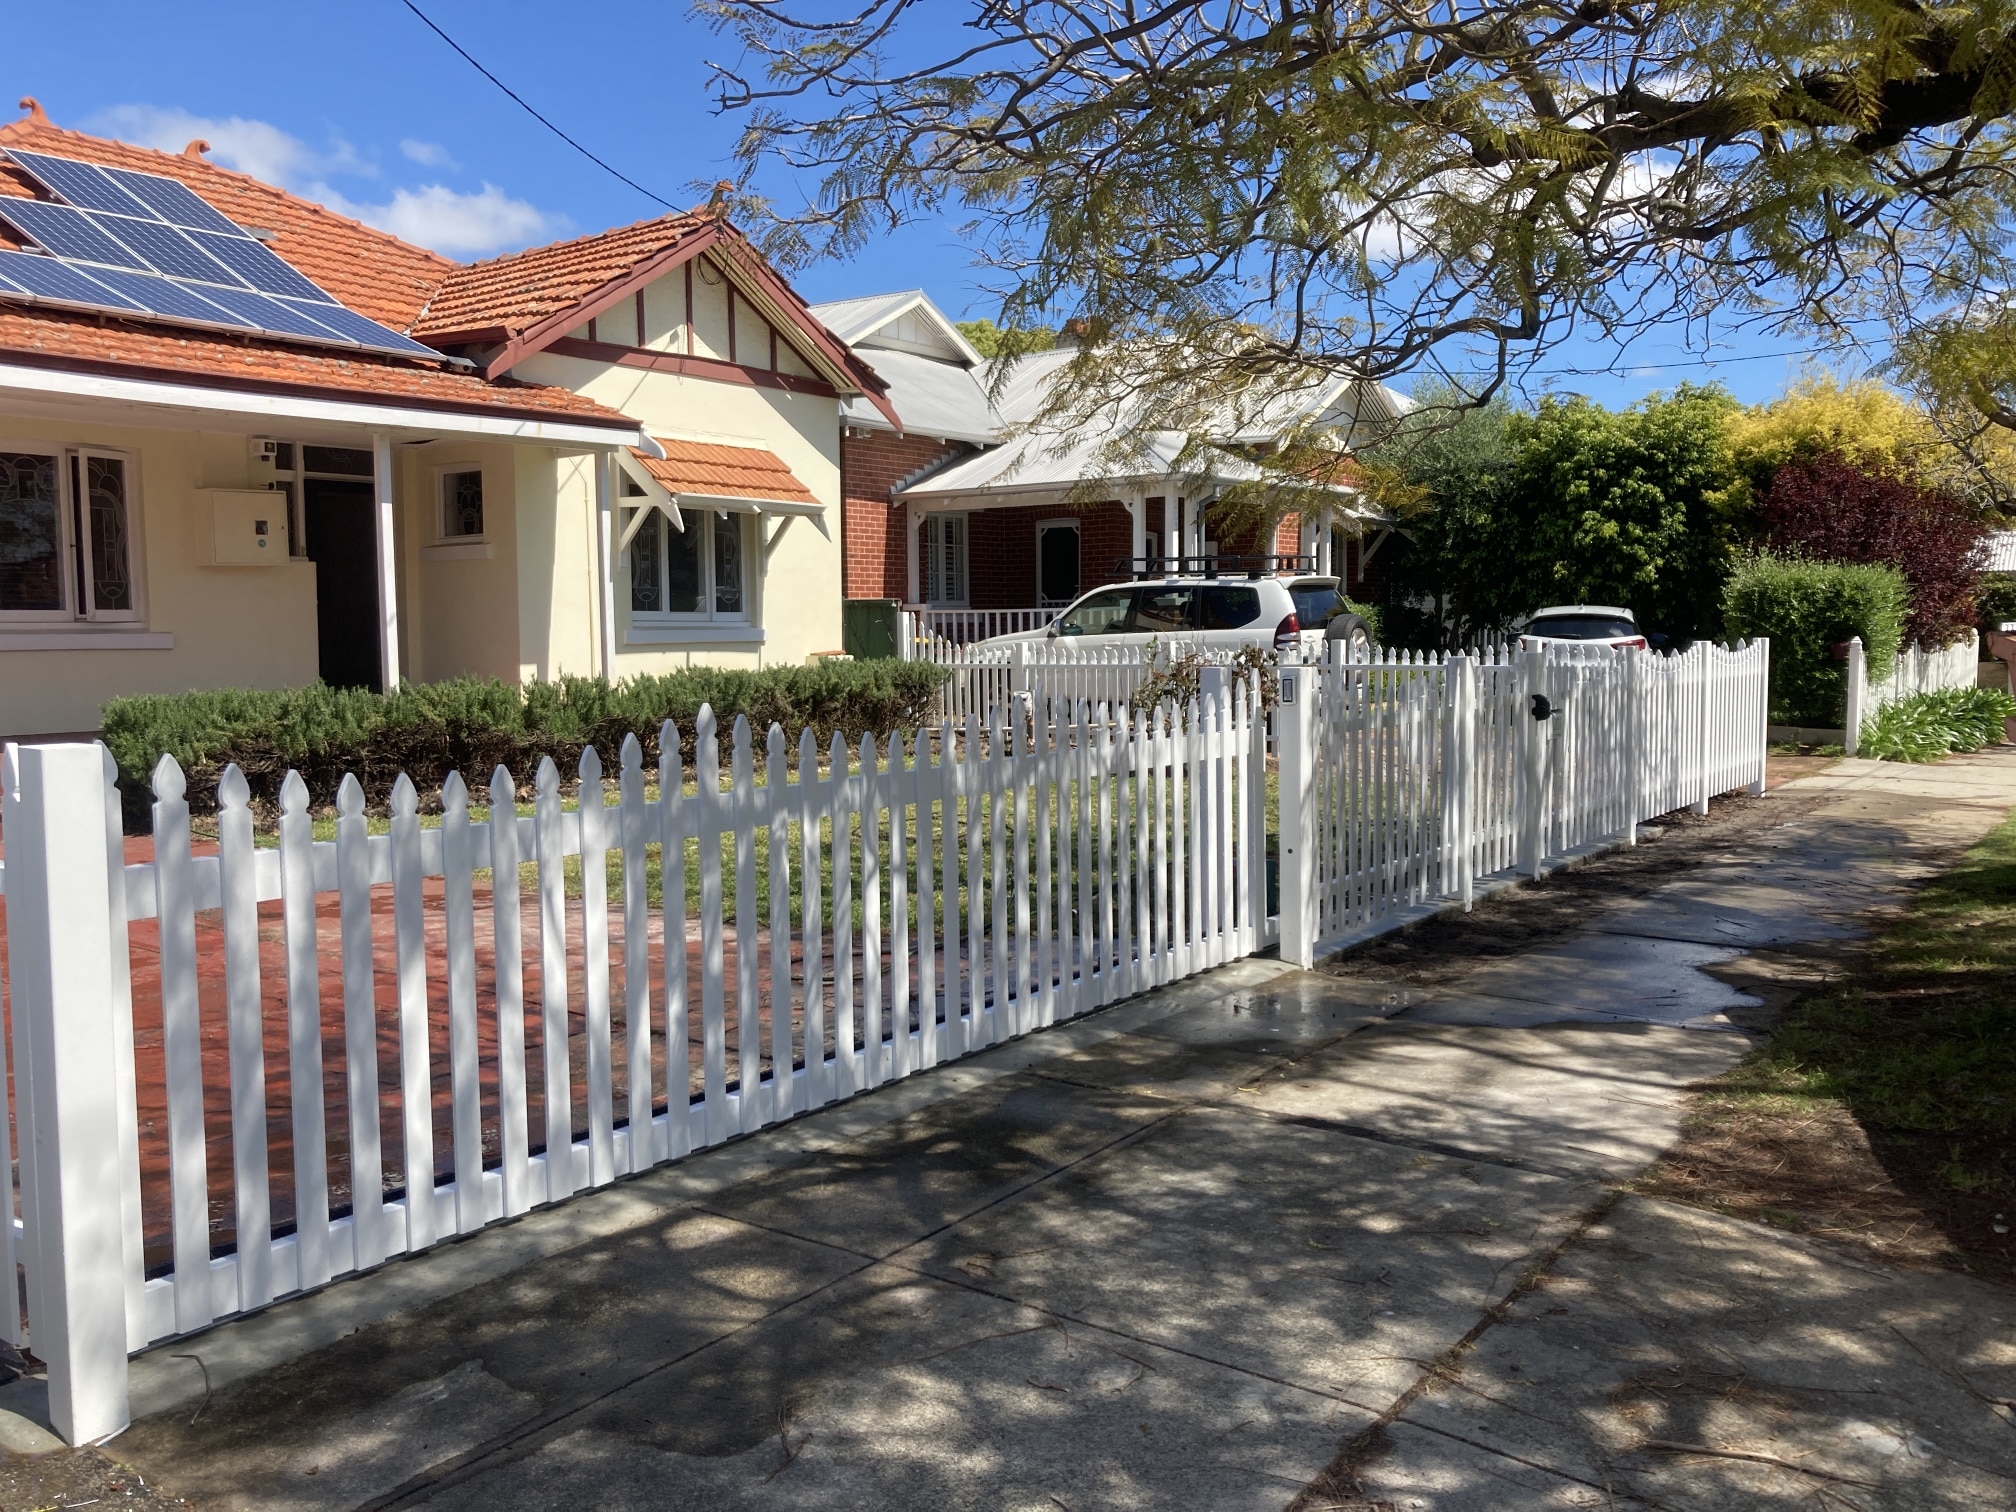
x=1266 y=1239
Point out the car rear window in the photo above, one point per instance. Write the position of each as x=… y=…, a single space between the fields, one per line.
x=1316 y=603
x=1229 y=608
x=1101 y=613
x=1581 y=627
x=1162 y=609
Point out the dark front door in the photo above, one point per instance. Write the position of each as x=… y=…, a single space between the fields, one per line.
x=1057 y=564
x=343 y=544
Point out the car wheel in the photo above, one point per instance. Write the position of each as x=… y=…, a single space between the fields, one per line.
x=1354 y=632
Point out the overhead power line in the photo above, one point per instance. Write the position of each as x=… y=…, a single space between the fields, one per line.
x=520 y=101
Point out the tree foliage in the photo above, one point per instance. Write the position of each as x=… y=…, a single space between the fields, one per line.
x=990 y=341
x=1254 y=196
x=1827 y=508
x=1574 y=504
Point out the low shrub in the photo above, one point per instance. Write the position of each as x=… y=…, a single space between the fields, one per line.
x=1997 y=601
x=1807 y=608
x=1926 y=726
x=473 y=725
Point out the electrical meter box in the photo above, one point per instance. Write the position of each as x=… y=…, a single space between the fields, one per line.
x=248 y=527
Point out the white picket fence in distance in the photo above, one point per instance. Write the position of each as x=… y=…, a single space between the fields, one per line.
x=931 y=625
x=440 y=1049
x=1915 y=671
x=1407 y=779
x=984 y=677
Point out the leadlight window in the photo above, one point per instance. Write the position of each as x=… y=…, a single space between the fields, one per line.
x=66 y=547
x=699 y=574
x=462 y=504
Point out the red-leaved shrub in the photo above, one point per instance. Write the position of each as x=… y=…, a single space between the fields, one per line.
x=1827 y=509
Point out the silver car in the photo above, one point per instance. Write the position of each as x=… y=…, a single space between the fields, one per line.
x=1229 y=612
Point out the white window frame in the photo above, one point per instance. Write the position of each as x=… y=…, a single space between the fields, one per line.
x=1075 y=525
x=442 y=535
x=931 y=576
x=74 y=541
x=707 y=522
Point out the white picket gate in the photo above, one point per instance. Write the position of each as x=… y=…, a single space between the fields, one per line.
x=1407 y=779
x=925 y=900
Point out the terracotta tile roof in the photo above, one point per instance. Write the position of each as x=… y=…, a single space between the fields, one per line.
x=79 y=342
x=374 y=273
x=737 y=472
x=515 y=292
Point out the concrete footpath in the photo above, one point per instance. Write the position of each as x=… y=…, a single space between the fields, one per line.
x=1269 y=1238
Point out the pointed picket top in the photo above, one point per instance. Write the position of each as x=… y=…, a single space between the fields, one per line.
x=776 y=760
x=836 y=756
x=405 y=797
x=350 y=797
x=739 y=748
x=703 y=723
x=169 y=783
x=293 y=794
x=233 y=791
x=868 y=761
x=590 y=765
x=503 y=792
x=808 y=755
x=632 y=754
x=454 y=796
x=547 y=779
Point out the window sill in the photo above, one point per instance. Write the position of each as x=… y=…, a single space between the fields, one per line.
x=693 y=635
x=457 y=551
x=67 y=639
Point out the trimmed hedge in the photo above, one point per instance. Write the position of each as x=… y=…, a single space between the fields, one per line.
x=1926 y=726
x=473 y=725
x=1807 y=608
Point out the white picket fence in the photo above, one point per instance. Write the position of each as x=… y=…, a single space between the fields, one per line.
x=983 y=677
x=1915 y=671
x=1407 y=779
x=924 y=900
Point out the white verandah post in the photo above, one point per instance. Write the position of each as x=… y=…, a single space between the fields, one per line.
x=388 y=561
x=61 y=953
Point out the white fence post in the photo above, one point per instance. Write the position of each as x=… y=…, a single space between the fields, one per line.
x=61 y=951
x=1533 y=749
x=1763 y=689
x=1857 y=695
x=1459 y=704
x=1704 y=777
x=1295 y=740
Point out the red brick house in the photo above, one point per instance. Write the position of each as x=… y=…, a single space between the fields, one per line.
x=952 y=510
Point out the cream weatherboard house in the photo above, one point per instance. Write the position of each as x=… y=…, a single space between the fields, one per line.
x=625 y=458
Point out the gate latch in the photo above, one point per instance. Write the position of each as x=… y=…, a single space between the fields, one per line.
x=1543 y=707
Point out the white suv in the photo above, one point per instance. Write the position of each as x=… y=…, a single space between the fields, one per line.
x=1585 y=625
x=1271 y=612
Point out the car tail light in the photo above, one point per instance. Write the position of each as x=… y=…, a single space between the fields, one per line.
x=1287 y=634
x=1636 y=643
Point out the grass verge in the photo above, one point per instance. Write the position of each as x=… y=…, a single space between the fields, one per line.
x=1882 y=1111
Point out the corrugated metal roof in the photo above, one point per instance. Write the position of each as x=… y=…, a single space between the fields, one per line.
x=2001 y=551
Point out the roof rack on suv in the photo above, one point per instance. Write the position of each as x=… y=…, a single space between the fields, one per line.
x=1137 y=568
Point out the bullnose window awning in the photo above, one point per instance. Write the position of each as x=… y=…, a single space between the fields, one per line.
x=706 y=475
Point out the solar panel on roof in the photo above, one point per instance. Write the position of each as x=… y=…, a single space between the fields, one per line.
x=47 y=279
x=84 y=184
x=66 y=233
x=258 y=265
x=168 y=255
x=165 y=249
x=363 y=332
x=163 y=296
x=174 y=201
x=272 y=315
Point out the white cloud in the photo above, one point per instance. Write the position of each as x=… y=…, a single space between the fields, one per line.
x=429 y=215
x=449 y=221
x=427 y=154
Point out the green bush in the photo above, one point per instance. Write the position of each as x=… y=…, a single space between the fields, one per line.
x=1997 y=600
x=1807 y=608
x=473 y=725
x=1926 y=726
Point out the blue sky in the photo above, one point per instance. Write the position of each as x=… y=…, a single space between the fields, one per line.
x=363 y=108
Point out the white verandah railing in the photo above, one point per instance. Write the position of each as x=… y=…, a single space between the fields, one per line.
x=931 y=626
x=807 y=940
